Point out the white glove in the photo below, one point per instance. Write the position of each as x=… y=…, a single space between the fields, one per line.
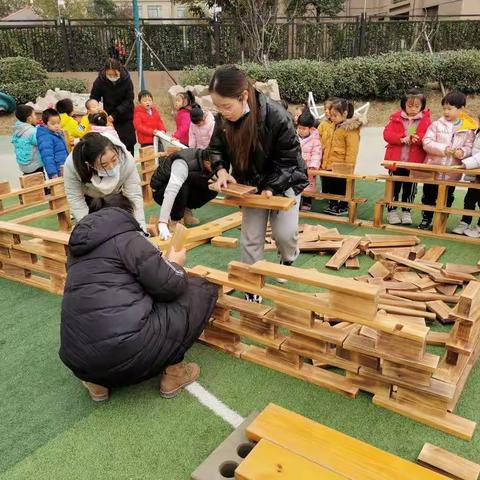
x=164 y=231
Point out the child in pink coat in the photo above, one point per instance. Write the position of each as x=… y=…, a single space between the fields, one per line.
x=448 y=140
x=184 y=102
x=311 y=153
x=201 y=128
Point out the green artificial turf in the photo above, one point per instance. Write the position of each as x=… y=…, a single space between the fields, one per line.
x=49 y=428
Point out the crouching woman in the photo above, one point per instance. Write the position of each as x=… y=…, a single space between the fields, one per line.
x=128 y=314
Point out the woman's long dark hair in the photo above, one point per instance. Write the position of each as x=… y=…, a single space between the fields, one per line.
x=242 y=135
x=86 y=152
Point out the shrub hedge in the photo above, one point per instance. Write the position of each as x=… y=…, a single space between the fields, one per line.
x=25 y=80
x=385 y=76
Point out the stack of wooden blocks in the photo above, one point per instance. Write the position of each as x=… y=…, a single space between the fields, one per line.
x=33 y=256
x=371 y=331
x=32 y=193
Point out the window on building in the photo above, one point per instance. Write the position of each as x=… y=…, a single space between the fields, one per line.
x=181 y=12
x=432 y=11
x=154 y=11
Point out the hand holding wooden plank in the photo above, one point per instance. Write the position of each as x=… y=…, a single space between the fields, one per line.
x=176 y=249
x=233 y=189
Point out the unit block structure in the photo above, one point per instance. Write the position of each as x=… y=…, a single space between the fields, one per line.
x=350 y=325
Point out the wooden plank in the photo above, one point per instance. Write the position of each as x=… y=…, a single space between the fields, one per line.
x=243 y=306
x=258 y=201
x=316 y=279
x=447 y=463
x=378 y=270
x=462 y=268
x=429 y=168
x=341 y=256
x=233 y=189
x=427 y=296
x=469 y=302
x=437 y=338
x=352 y=263
x=407 y=311
x=334 y=450
x=268 y=460
x=178 y=240
x=434 y=253
x=449 y=423
x=226 y=242
x=317 y=376
x=441 y=311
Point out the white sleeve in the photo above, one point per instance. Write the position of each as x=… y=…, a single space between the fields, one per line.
x=74 y=191
x=132 y=189
x=178 y=176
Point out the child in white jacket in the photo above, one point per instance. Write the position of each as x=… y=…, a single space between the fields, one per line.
x=472 y=197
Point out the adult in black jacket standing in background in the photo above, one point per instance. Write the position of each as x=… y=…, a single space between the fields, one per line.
x=255 y=137
x=114 y=88
x=127 y=313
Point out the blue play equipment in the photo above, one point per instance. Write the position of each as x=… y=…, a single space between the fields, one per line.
x=7 y=103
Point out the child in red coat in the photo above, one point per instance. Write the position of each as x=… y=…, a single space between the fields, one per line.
x=404 y=134
x=146 y=119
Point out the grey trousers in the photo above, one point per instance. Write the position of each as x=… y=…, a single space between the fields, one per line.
x=284 y=231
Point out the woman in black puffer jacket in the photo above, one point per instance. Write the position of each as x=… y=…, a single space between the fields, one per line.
x=127 y=313
x=114 y=88
x=255 y=140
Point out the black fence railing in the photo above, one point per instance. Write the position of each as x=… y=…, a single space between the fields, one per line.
x=82 y=45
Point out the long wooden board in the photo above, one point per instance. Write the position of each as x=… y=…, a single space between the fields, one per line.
x=257 y=201
x=336 y=451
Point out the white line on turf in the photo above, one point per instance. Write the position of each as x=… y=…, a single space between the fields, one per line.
x=215 y=405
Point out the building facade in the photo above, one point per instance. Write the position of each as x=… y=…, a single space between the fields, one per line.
x=156 y=9
x=403 y=9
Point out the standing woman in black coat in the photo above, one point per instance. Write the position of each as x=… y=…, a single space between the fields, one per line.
x=128 y=314
x=255 y=140
x=114 y=88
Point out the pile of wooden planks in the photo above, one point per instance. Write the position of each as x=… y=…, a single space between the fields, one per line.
x=370 y=328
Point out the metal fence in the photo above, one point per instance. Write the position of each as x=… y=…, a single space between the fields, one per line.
x=82 y=45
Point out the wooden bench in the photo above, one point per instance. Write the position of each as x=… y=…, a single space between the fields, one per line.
x=440 y=210
x=33 y=256
x=33 y=193
x=344 y=171
x=293 y=447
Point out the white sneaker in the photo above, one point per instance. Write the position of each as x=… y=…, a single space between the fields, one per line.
x=406 y=218
x=472 y=232
x=393 y=217
x=460 y=228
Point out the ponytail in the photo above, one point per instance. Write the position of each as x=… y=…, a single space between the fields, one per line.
x=188 y=97
x=343 y=106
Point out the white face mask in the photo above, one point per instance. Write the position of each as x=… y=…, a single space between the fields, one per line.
x=112 y=172
x=113 y=79
x=246 y=109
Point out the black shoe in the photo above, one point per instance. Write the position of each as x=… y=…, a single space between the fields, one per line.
x=425 y=224
x=330 y=209
x=251 y=297
x=335 y=211
x=342 y=211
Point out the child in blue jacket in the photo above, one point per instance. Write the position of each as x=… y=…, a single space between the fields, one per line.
x=24 y=140
x=51 y=143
